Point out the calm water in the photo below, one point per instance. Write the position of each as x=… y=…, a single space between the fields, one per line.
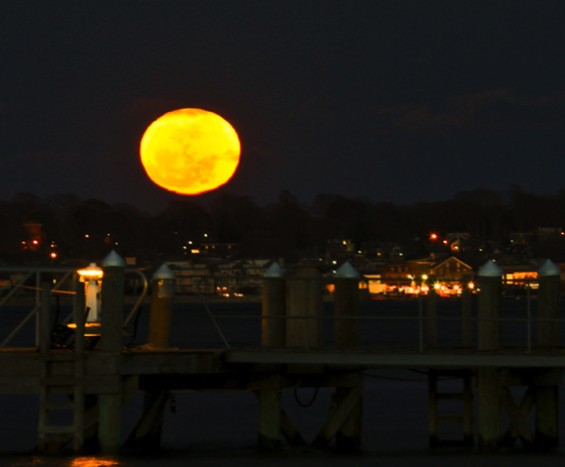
x=220 y=428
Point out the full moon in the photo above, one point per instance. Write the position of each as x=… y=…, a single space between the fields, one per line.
x=190 y=151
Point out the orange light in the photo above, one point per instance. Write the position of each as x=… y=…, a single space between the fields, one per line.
x=91 y=272
x=93 y=462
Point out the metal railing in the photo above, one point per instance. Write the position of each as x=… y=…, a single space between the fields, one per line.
x=23 y=287
x=415 y=328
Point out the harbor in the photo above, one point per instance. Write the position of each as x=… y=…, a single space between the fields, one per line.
x=497 y=371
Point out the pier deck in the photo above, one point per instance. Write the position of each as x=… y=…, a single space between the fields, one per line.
x=20 y=369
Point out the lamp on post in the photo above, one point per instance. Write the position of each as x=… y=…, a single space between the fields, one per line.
x=91 y=276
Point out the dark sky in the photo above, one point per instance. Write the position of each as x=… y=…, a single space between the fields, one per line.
x=395 y=100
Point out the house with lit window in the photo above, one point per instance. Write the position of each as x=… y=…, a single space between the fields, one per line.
x=452 y=270
x=415 y=277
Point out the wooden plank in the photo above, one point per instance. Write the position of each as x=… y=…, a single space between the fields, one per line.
x=399 y=360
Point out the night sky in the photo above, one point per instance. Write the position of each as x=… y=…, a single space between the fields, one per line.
x=397 y=100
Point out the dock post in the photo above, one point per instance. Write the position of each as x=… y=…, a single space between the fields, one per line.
x=346 y=308
x=270 y=414
x=547 y=396
x=488 y=381
x=147 y=433
x=304 y=307
x=273 y=334
x=111 y=341
x=549 y=277
x=45 y=318
x=431 y=309
x=161 y=310
x=466 y=313
x=273 y=325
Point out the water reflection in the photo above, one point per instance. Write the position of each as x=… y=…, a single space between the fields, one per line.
x=47 y=461
x=93 y=462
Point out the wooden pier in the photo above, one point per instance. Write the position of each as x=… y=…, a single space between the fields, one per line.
x=81 y=390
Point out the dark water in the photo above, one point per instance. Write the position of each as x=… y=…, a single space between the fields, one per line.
x=220 y=428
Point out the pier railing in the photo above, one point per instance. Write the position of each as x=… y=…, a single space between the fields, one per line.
x=22 y=303
x=281 y=320
x=386 y=325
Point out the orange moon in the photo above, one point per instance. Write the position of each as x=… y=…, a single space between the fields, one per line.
x=190 y=151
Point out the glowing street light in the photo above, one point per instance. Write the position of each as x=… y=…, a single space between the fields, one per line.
x=91 y=275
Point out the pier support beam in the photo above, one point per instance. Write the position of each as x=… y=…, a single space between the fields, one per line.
x=345 y=415
x=146 y=436
x=466 y=314
x=111 y=342
x=547 y=397
x=431 y=310
x=304 y=307
x=273 y=325
x=161 y=310
x=488 y=379
x=270 y=414
x=346 y=308
x=273 y=334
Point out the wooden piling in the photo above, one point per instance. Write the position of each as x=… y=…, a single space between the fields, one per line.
x=431 y=310
x=490 y=305
x=112 y=297
x=349 y=435
x=45 y=318
x=160 y=313
x=111 y=342
x=270 y=414
x=346 y=309
x=147 y=434
x=273 y=324
x=549 y=293
x=466 y=312
x=547 y=396
x=346 y=306
x=273 y=334
x=79 y=313
x=304 y=307
x=488 y=379
x=489 y=408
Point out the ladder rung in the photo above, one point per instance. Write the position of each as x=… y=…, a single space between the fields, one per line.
x=450 y=396
x=61 y=380
x=451 y=419
x=62 y=356
x=464 y=442
x=59 y=405
x=58 y=429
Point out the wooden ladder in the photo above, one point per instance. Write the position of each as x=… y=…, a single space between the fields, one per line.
x=463 y=418
x=61 y=401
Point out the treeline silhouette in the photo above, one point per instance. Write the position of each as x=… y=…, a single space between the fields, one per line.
x=88 y=228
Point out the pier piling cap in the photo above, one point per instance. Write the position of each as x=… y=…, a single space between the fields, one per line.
x=275 y=271
x=490 y=269
x=164 y=272
x=347 y=271
x=549 y=268
x=113 y=259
